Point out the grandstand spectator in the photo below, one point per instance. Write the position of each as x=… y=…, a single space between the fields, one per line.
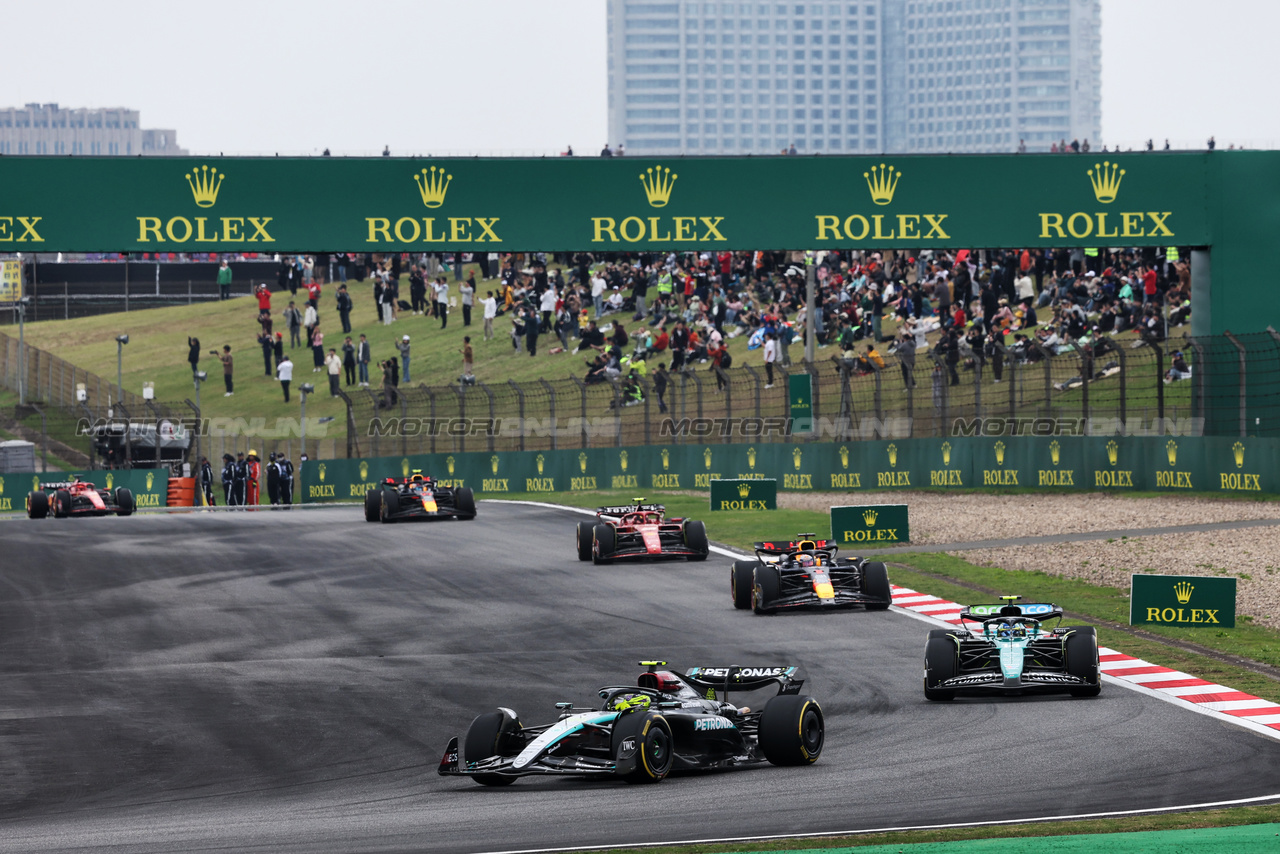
x=317 y=349
x=344 y=307
x=193 y=353
x=333 y=365
x=490 y=312
x=466 y=297
x=293 y=319
x=264 y=298
x=225 y=358
x=267 y=343
x=224 y=280
x=284 y=372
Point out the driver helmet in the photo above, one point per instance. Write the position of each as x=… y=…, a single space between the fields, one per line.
x=629 y=702
x=1004 y=630
x=1019 y=630
x=653 y=518
x=805 y=560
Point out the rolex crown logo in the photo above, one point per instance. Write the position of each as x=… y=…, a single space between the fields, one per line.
x=622 y=459
x=322 y=472
x=404 y=467
x=1171 y=448
x=35 y=483
x=582 y=462
x=1106 y=181
x=706 y=457
x=1 y=486
x=893 y=455
x=111 y=479
x=658 y=181
x=795 y=457
x=1183 y=591
x=1238 y=451
x=205 y=183
x=364 y=470
x=946 y=453
x=751 y=458
x=744 y=489
x=1113 y=452
x=666 y=459
x=882 y=181
x=844 y=457
x=1055 y=451
x=870 y=516
x=449 y=462
x=999 y=453
x=541 y=461
x=151 y=479
x=432 y=186
x=493 y=464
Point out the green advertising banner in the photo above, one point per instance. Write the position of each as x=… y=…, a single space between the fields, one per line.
x=862 y=524
x=1183 y=600
x=751 y=494
x=800 y=398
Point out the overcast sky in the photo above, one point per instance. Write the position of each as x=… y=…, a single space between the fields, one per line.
x=522 y=76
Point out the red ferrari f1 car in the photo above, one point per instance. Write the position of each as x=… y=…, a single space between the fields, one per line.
x=640 y=531
x=77 y=498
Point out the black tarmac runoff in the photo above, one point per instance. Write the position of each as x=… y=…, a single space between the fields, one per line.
x=288 y=681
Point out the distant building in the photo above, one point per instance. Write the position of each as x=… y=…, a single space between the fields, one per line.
x=843 y=77
x=49 y=129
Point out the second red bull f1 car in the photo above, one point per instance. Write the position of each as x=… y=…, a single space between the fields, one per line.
x=804 y=573
x=640 y=532
x=417 y=497
x=666 y=722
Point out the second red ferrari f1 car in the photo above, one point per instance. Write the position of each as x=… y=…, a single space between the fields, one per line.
x=78 y=498
x=640 y=531
x=806 y=572
x=417 y=497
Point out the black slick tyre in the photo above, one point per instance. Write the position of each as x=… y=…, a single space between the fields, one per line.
x=604 y=541
x=466 y=502
x=766 y=586
x=1081 y=656
x=390 y=505
x=582 y=539
x=61 y=504
x=741 y=582
x=792 y=730
x=941 y=662
x=695 y=539
x=37 y=505
x=372 y=505
x=124 y=502
x=492 y=734
x=875 y=582
x=643 y=744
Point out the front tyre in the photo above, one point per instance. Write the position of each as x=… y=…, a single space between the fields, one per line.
x=695 y=539
x=741 y=583
x=493 y=734
x=37 y=505
x=766 y=588
x=372 y=505
x=792 y=730
x=1081 y=656
x=466 y=502
x=390 y=505
x=124 y=502
x=875 y=582
x=643 y=747
x=941 y=662
x=61 y=504
x=582 y=539
x=604 y=542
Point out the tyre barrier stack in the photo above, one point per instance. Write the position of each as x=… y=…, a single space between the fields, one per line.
x=182 y=492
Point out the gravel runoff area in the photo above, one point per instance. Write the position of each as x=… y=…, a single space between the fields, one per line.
x=1252 y=555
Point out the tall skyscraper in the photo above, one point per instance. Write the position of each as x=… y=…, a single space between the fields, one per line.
x=874 y=76
x=50 y=129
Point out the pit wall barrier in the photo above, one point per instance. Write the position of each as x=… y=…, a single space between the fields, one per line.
x=150 y=487
x=1113 y=463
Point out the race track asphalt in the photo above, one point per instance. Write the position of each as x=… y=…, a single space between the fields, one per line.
x=288 y=681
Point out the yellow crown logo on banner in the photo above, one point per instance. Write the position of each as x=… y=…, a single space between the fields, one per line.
x=151 y=480
x=432 y=186
x=582 y=462
x=1113 y=452
x=1055 y=452
x=541 y=461
x=622 y=459
x=666 y=459
x=111 y=479
x=493 y=464
x=751 y=458
x=205 y=183
x=744 y=489
x=870 y=516
x=999 y=447
x=946 y=453
x=404 y=467
x=1 y=486
x=795 y=457
x=706 y=457
x=882 y=181
x=844 y=457
x=448 y=464
x=1183 y=591
x=893 y=455
x=364 y=470
x=322 y=472
x=1171 y=448
x=658 y=181
x=35 y=483
x=1237 y=450
x=1106 y=181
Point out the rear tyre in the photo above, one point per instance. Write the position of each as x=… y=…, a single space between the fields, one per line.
x=61 y=504
x=695 y=538
x=604 y=541
x=792 y=730
x=390 y=505
x=941 y=662
x=372 y=505
x=466 y=501
x=582 y=539
x=875 y=582
x=37 y=504
x=493 y=734
x=1082 y=660
x=124 y=502
x=741 y=583
x=646 y=736
x=766 y=587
